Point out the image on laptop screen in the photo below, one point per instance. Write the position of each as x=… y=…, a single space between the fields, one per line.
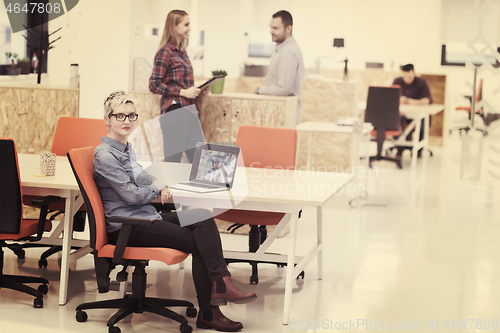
x=216 y=166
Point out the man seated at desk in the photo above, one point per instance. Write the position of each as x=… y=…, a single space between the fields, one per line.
x=414 y=90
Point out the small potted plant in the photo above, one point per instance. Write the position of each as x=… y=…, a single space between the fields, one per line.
x=12 y=70
x=218 y=87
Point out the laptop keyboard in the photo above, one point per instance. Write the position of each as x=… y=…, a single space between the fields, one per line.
x=200 y=185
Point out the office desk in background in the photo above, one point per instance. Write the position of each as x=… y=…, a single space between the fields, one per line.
x=360 y=136
x=416 y=113
x=63 y=184
x=271 y=190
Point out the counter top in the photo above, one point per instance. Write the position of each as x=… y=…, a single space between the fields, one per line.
x=29 y=82
x=235 y=95
x=252 y=96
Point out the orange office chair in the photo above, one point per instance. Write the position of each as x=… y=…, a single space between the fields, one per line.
x=261 y=147
x=14 y=227
x=382 y=111
x=480 y=112
x=107 y=256
x=71 y=132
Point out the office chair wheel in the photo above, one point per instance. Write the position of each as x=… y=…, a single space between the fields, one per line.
x=38 y=303
x=81 y=316
x=301 y=275
x=43 y=289
x=43 y=263
x=280 y=265
x=114 y=329
x=186 y=329
x=191 y=312
x=20 y=254
x=254 y=279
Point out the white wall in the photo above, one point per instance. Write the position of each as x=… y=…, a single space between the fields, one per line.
x=225 y=23
x=104 y=37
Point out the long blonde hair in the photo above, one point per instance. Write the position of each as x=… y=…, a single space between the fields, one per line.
x=169 y=35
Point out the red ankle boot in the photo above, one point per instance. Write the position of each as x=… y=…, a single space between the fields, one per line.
x=223 y=291
x=219 y=322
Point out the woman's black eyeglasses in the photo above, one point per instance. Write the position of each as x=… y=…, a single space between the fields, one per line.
x=121 y=117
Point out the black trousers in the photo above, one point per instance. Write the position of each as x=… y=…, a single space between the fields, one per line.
x=200 y=237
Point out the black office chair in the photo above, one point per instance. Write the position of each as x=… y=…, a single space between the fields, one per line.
x=14 y=227
x=382 y=111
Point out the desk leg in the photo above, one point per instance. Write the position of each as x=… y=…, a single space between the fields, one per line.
x=309 y=143
x=425 y=143
x=416 y=138
x=319 y=228
x=367 y=163
x=66 y=248
x=290 y=277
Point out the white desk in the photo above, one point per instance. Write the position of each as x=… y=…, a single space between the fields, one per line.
x=284 y=191
x=63 y=184
x=254 y=189
x=416 y=113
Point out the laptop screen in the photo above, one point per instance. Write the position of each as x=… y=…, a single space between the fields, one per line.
x=214 y=164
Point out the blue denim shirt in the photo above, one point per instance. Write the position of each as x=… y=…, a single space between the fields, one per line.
x=124 y=186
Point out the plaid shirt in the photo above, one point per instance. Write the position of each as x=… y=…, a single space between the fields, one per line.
x=172 y=72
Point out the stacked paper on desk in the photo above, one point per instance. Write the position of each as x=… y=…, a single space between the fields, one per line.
x=347 y=121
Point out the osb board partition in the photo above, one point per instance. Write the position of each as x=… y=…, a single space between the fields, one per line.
x=437 y=85
x=30 y=115
x=327 y=101
x=147 y=106
x=48 y=106
x=376 y=77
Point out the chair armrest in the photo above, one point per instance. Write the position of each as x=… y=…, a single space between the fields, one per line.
x=469 y=97
x=126 y=229
x=45 y=201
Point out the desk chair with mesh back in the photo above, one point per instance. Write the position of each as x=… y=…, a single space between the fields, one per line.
x=261 y=147
x=71 y=132
x=382 y=111
x=479 y=112
x=12 y=225
x=107 y=256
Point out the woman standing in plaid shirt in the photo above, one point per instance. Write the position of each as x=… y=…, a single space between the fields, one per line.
x=172 y=75
x=173 y=79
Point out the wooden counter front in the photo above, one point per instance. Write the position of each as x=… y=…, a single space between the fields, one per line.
x=222 y=114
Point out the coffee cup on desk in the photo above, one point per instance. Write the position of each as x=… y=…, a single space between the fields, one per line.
x=48 y=164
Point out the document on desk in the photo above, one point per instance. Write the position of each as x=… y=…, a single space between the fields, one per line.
x=347 y=121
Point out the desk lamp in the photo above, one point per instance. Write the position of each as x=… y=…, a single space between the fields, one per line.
x=339 y=42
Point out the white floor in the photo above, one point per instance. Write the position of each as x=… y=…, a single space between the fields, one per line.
x=421 y=254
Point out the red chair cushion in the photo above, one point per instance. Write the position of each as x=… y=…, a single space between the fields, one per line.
x=28 y=228
x=168 y=256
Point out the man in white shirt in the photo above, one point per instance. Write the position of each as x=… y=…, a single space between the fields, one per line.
x=286 y=70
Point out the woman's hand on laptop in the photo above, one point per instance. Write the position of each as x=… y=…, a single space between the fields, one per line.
x=165 y=195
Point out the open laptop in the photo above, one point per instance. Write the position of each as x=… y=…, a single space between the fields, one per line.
x=213 y=169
